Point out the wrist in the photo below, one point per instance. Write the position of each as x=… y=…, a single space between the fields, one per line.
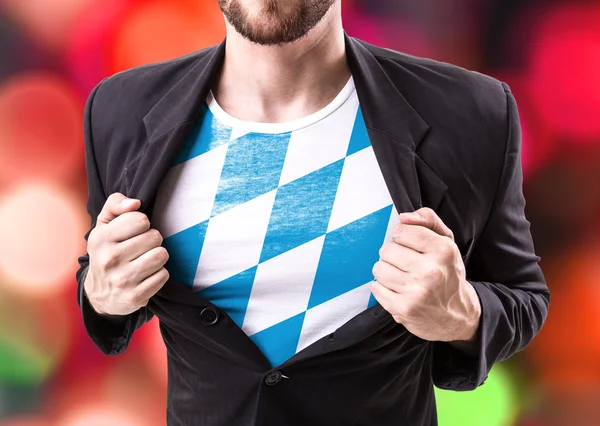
x=93 y=303
x=472 y=314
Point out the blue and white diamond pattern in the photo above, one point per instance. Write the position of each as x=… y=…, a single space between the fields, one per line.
x=281 y=230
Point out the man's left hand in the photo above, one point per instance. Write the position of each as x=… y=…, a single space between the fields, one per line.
x=421 y=282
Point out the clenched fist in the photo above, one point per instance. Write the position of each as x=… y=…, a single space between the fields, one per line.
x=126 y=259
x=420 y=280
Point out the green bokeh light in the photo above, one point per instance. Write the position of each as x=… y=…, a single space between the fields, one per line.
x=492 y=404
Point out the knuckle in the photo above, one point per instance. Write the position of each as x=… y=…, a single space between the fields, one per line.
x=375 y=270
x=384 y=249
x=145 y=222
x=156 y=236
x=92 y=237
x=451 y=234
x=435 y=273
x=165 y=273
x=97 y=237
x=446 y=249
x=427 y=211
x=399 y=228
x=118 y=279
x=408 y=309
x=161 y=254
x=424 y=293
x=163 y=276
x=132 y=299
x=108 y=260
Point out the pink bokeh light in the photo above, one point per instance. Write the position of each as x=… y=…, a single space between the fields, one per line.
x=565 y=71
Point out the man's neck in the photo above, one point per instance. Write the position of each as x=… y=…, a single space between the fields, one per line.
x=283 y=83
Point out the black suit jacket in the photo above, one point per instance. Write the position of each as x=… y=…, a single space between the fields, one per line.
x=444 y=137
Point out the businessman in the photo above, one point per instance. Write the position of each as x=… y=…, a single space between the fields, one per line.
x=324 y=228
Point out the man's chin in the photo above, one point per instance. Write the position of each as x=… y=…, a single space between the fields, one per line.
x=271 y=39
x=270 y=31
x=276 y=26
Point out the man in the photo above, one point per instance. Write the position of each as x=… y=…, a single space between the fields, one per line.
x=248 y=195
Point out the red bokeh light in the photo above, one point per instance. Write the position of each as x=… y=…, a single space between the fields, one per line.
x=154 y=350
x=88 y=51
x=538 y=143
x=41 y=127
x=565 y=70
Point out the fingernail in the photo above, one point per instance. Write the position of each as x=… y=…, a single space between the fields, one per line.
x=127 y=202
x=411 y=215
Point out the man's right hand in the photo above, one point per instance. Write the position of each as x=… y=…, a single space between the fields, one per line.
x=126 y=259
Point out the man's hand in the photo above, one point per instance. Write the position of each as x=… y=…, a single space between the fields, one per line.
x=420 y=280
x=126 y=259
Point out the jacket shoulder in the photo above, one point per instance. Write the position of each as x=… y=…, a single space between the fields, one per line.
x=439 y=71
x=459 y=93
x=130 y=94
x=116 y=108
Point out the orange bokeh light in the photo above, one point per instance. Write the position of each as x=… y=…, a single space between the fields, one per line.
x=101 y=415
x=41 y=127
x=162 y=30
x=41 y=230
x=568 y=347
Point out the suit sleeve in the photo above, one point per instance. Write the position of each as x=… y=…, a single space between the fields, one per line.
x=110 y=335
x=505 y=273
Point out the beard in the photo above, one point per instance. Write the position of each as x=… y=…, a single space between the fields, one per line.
x=275 y=22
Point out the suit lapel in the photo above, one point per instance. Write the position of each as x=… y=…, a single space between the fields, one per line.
x=168 y=124
x=395 y=130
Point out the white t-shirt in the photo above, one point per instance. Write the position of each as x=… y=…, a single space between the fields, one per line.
x=278 y=224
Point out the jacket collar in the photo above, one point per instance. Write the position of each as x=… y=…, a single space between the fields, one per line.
x=183 y=102
x=388 y=110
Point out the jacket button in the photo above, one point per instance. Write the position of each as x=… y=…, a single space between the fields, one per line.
x=273 y=378
x=209 y=315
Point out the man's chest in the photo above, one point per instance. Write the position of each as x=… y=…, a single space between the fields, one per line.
x=280 y=230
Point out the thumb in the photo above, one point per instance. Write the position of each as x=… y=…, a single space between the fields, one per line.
x=428 y=218
x=117 y=204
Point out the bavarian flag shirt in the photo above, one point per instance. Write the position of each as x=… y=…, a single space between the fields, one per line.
x=278 y=224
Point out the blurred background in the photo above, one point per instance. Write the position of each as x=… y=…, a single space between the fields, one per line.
x=52 y=52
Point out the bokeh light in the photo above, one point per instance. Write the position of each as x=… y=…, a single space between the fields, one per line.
x=565 y=70
x=100 y=415
x=493 y=404
x=40 y=230
x=88 y=50
x=567 y=350
x=48 y=21
x=154 y=350
x=34 y=337
x=41 y=127
x=538 y=144
x=161 y=30
x=26 y=421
